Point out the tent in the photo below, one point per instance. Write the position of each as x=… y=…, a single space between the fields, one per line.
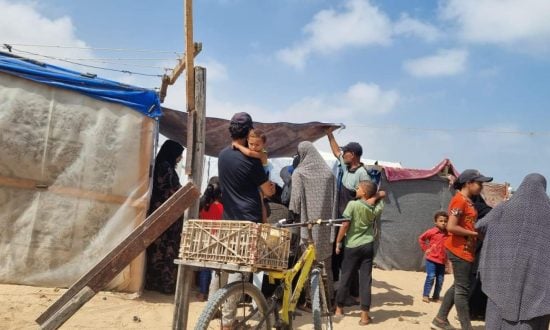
x=74 y=171
x=77 y=152
x=413 y=196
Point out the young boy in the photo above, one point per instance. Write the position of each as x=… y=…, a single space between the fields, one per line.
x=359 y=245
x=432 y=243
x=256 y=149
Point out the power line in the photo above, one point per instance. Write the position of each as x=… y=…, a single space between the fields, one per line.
x=119 y=59
x=456 y=130
x=88 y=65
x=100 y=48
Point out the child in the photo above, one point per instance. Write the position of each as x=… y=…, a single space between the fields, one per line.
x=359 y=246
x=432 y=243
x=210 y=208
x=256 y=149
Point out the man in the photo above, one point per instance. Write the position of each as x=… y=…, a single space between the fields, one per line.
x=242 y=176
x=352 y=171
x=241 y=180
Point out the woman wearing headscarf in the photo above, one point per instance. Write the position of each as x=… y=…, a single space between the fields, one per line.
x=312 y=199
x=161 y=271
x=514 y=264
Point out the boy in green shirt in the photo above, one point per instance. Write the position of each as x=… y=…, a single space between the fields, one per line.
x=359 y=246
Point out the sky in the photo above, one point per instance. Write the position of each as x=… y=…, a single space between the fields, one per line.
x=413 y=81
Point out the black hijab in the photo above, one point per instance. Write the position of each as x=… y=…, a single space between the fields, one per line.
x=169 y=152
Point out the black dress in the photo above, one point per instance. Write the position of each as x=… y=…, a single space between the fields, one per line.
x=161 y=271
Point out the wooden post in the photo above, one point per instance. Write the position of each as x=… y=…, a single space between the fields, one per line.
x=189 y=83
x=181 y=299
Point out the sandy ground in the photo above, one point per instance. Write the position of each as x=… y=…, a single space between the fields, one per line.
x=397 y=304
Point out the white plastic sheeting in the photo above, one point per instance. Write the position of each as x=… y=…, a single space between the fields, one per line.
x=74 y=182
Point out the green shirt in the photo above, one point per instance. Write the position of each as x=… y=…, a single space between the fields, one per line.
x=362 y=217
x=350 y=180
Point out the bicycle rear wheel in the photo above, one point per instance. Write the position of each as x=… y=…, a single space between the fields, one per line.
x=322 y=319
x=248 y=301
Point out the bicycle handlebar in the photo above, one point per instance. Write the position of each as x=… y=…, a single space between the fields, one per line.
x=330 y=222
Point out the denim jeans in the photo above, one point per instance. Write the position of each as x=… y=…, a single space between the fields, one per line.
x=205 y=276
x=434 y=271
x=458 y=293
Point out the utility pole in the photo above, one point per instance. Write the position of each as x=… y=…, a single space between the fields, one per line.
x=195 y=86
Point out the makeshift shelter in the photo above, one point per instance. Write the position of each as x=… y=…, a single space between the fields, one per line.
x=283 y=138
x=74 y=171
x=413 y=196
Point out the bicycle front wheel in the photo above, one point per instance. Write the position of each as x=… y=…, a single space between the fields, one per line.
x=241 y=306
x=322 y=319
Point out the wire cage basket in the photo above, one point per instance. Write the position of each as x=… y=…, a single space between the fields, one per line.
x=234 y=245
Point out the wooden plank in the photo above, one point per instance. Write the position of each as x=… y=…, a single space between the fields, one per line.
x=189 y=58
x=137 y=241
x=182 y=64
x=70 y=191
x=190 y=154
x=69 y=309
x=18 y=183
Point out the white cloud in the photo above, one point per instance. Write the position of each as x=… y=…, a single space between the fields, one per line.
x=357 y=23
x=446 y=62
x=408 y=26
x=361 y=99
x=522 y=23
x=22 y=23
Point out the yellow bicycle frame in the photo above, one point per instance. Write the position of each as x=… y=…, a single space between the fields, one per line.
x=290 y=298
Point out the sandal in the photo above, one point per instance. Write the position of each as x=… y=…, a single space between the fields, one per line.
x=361 y=322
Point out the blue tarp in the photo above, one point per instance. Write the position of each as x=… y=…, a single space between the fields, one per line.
x=143 y=100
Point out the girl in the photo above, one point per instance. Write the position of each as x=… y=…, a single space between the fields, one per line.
x=460 y=246
x=210 y=209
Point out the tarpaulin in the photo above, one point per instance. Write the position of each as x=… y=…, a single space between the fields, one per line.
x=143 y=100
x=396 y=174
x=283 y=138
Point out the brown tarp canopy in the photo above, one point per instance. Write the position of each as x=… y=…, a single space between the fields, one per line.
x=283 y=138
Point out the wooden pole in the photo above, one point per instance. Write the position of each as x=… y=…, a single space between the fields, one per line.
x=184 y=281
x=195 y=82
x=189 y=83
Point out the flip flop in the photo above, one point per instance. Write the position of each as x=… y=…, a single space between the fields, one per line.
x=337 y=318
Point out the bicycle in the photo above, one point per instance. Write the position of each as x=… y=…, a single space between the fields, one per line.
x=257 y=313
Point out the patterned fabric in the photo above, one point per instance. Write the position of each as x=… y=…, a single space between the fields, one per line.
x=462 y=246
x=312 y=195
x=494 y=320
x=161 y=272
x=514 y=265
